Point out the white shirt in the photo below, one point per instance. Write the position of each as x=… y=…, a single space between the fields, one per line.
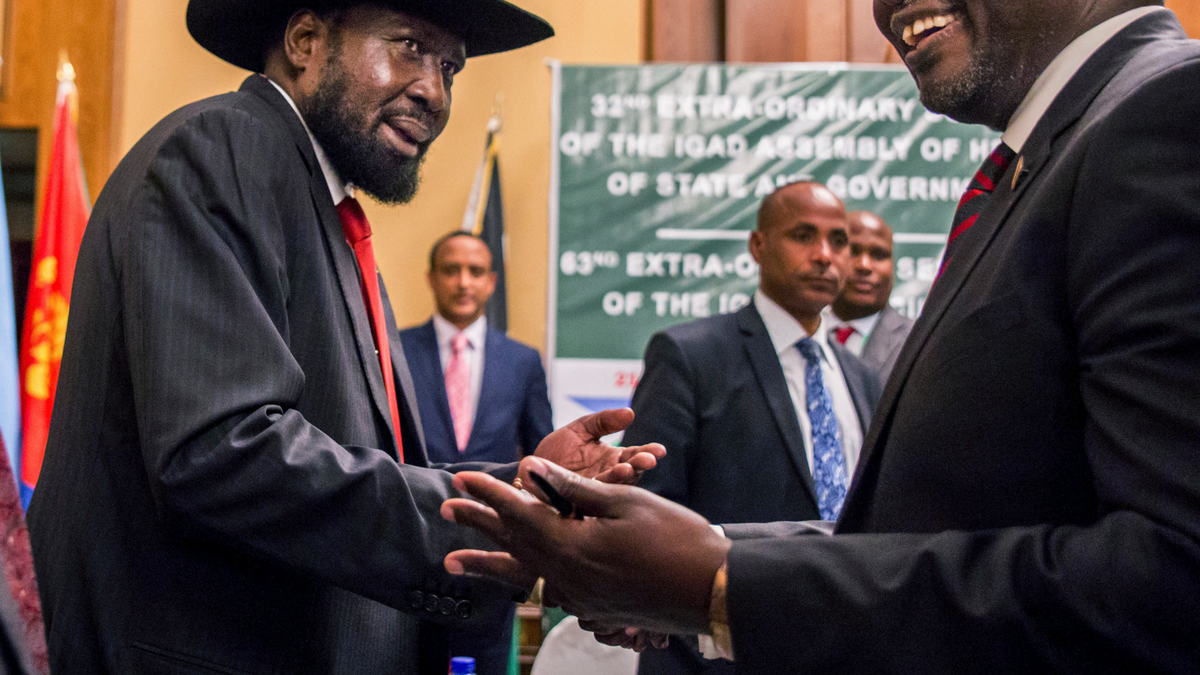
x=1060 y=71
x=337 y=189
x=862 y=330
x=476 y=334
x=785 y=331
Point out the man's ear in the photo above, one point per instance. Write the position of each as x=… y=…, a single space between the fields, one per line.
x=756 y=244
x=304 y=40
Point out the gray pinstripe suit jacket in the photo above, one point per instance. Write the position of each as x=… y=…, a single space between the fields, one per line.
x=221 y=491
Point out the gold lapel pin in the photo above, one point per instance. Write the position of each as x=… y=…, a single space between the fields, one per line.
x=1019 y=173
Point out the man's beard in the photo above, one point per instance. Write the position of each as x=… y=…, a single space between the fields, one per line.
x=959 y=98
x=345 y=135
x=983 y=92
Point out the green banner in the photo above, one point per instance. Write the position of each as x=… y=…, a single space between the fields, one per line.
x=658 y=173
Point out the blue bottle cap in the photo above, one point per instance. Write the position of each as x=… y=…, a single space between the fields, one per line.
x=462 y=665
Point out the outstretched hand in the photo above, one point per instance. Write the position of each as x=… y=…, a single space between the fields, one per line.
x=577 y=447
x=637 y=560
x=637 y=639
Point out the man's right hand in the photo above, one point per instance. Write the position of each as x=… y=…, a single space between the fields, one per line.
x=637 y=560
x=578 y=447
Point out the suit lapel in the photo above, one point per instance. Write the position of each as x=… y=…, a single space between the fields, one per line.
x=405 y=383
x=855 y=376
x=344 y=263
x=1071 y=103
x=876 y=346
x=765 y=361
x=493 y=362
x=432 y=368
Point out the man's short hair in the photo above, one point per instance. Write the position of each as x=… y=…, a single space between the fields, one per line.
x=762 y=205
x=447 y=237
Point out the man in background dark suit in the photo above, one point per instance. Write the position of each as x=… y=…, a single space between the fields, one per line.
x=481 y=395
x=862 y=319
x=235 y=479
x=507 y=410
x=1028 y=499
x=728 y=395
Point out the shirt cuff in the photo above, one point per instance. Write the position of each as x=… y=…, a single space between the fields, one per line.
x=719 y=643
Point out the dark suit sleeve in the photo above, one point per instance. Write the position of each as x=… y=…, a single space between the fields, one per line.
x=228 y=457
x=537 y=421
x=1117 y=595
x=665 y=412
x=738 y=531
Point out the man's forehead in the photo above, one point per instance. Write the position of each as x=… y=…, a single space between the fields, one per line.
x=802 y=203
x=869 y=225
x=382 y=18
x=464 y=246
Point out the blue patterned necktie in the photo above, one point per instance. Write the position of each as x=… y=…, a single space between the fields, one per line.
x=829 y=463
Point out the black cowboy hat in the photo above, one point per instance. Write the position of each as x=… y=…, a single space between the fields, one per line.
x=239 y=31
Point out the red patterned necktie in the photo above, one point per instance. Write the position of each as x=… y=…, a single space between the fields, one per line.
x=358 y=235
x=843 y=333
x=975 y=199
x=18 y=566
x=458 y=390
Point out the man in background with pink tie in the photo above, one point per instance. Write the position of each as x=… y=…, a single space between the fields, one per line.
x=481 y=395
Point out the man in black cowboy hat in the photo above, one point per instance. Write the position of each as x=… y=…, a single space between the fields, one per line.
x=235 y=479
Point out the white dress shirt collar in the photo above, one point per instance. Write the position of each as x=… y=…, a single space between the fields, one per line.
x=337 y=189
x=785 y=330
x=446 y=331
x=1060 y=71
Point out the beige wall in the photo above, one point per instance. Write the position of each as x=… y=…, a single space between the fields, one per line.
x=165 y=68
x=1188 y=12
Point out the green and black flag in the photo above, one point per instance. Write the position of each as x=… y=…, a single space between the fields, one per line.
x=485 y=218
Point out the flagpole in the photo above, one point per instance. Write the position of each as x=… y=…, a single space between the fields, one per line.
x=484 y=215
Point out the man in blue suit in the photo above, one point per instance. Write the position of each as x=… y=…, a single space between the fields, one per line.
x=481 y=395
x=762 y=411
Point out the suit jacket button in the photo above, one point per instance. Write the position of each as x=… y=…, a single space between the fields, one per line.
x=463 y=609
x=448 y=606
x=416 y=599
x=431 y=602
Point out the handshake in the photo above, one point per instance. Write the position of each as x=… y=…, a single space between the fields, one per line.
x=634 y=567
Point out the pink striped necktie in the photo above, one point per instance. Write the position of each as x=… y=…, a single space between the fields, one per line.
x=975 y=199
x=458 y=390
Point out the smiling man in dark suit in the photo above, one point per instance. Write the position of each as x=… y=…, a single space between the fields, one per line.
x=235 y=479
x=482 y=396
x=862 y=319
x=750 y=381
x=1028 y=499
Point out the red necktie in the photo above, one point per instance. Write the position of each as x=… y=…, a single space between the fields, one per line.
x=843 y=333
x=358 y=235
x=458 y=390
x=975 y=199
